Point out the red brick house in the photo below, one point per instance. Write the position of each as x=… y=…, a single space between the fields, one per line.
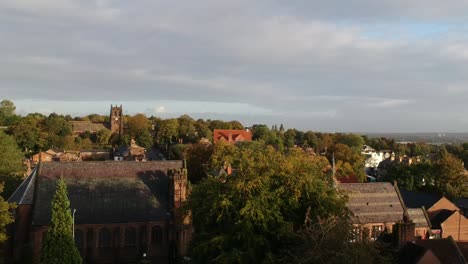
x=123 y=210
x=231 y=135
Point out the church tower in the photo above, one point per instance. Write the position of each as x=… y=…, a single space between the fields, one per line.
x=116 y=120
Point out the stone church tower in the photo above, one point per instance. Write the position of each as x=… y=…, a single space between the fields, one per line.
x=116 y=120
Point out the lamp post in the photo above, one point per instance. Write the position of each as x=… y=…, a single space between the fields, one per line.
x=73 y=223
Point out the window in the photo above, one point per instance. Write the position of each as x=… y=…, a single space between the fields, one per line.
x=376 y=232
x=90 y=238
x=104 y=238
x=156 y=235
x=78 y=238
x=130 y=237
x=355 y=234
x=143 y=236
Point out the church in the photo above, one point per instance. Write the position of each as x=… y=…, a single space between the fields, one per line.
x=123 y=211
x=115 y=124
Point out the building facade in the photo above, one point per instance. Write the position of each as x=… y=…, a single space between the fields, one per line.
x=122 y=210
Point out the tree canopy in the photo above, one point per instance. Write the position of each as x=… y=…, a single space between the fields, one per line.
x=256 y=214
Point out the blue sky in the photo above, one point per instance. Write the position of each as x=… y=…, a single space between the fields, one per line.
x=362 y=65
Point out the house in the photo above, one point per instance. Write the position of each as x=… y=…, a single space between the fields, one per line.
x=375 y=207
x=95 y=154
x=122 y=210
x=69 y=155
x=444 y=251
x=42 y=156
x=232 y=135
x=422 y=222
x=446 y=218
x=132 y=152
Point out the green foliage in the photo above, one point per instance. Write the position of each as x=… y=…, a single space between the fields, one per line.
x=197 y=156
x=28 y=133
x=11 y=164
x=451 y=178
x=103 y=136
x=252 y=215
x=58 y=246
x=6 y=216
x=167 y=131
x=7 y=111
x=176 y=152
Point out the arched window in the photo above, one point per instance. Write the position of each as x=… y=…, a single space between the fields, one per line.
x=78 y=238
x=130 y=237
x=156 y=235
x=104 y=238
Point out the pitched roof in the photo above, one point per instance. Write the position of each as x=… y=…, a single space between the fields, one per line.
x=232 y=135
x=419 y=217
x=445 y=249
x=83 y=126
x=440 y=217
x=107 y=191
x=411 y=253
x=463 y=246
x=24 y=194
x=419 y=199
x=376 y=202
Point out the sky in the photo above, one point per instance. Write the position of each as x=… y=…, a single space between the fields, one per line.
x=342 y=66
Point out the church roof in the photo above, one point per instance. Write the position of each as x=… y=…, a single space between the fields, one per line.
x=107 y=191
x=83 y=126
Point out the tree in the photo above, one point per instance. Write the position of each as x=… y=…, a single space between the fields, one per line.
x=451 y=178
x=103 y=136
x=6 y=216
x=28 y=133
x=252 y=215
x=7 y=110
x=58 y=246
x=11 y=164
x=167 y=130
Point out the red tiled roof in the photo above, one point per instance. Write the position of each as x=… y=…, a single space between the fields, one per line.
x=232 y=135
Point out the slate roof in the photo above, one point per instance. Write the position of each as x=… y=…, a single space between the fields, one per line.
x=445 y=249
x=419 y=199
x=107 y=191
x=83 y=126
x=376 y=202
x=24 y=194
x=411 y=253
x=419 y=217
x=440 y=217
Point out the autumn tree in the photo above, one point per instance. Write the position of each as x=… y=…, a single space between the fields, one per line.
x=451 y=178
x=252 y=215
x=59 y=246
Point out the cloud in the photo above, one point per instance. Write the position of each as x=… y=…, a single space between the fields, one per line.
x=303 y=63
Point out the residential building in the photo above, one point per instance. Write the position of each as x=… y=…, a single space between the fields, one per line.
x=376 y=207
x=232 y=135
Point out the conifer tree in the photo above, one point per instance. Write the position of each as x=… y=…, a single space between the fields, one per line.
x=59 y=247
